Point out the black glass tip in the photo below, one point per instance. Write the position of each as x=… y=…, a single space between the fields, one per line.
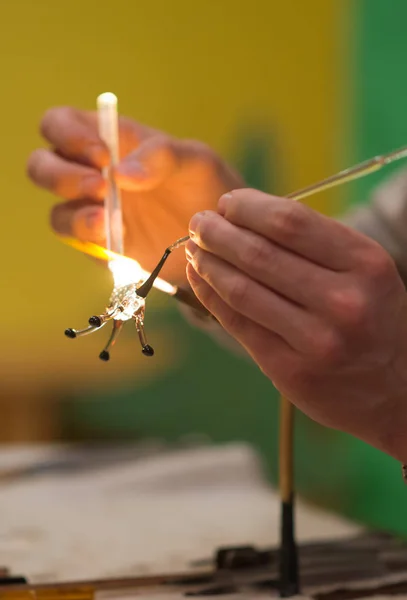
x=95 y=321
x=148 y=350
x=71 y=333
x=289 y=572
x=104 y=355
x=146 y=287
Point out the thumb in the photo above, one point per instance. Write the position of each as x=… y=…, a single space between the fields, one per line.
x=151 y=164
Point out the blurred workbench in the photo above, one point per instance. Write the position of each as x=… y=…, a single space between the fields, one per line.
x=72 y=513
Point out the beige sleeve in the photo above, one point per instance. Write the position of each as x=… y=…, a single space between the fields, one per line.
x=383 y=219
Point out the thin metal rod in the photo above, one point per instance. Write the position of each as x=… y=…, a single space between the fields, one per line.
x=356 y=172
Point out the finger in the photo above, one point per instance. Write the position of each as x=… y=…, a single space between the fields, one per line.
x=257 y=341
x=81 y=219
x=294 y=226
x=153 y=162
x=289 y=274
x=74 y=135
x=63 y=178
x=252 y=300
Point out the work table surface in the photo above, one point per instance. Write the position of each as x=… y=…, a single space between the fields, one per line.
x=138 y=510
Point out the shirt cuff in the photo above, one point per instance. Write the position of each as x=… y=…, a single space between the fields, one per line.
x=384 y=219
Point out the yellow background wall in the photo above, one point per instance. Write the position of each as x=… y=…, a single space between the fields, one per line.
x=197 y=69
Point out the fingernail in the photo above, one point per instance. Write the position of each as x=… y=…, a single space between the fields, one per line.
x=222 y=203
x=131 y=168
x=194 y=223
x=190 y=250
x=89 y=223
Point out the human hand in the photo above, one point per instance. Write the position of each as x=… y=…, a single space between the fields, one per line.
x=164 y=181
x=319 y=307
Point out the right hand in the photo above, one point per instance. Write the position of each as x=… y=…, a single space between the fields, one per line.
x=319 y=307
x=164 y=182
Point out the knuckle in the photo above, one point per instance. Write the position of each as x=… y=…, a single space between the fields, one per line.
x=164 y=148
x=257 y=254
x=163 y=142
x=328 y=346
x=207 y=161
x=244 y=194
x=232 y=203
x=232 y=321
x=288 y=219
x=199 y=262
x=207 y=228
x=378 y=265
x=209 y=164
x=200 y=148
x=349 y=306
x=238 y=292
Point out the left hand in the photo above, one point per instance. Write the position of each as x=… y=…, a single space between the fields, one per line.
x=164 y=181
x=319 y=307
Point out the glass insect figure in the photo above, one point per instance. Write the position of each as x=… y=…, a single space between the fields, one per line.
x=124 y=304
x=127 y=302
